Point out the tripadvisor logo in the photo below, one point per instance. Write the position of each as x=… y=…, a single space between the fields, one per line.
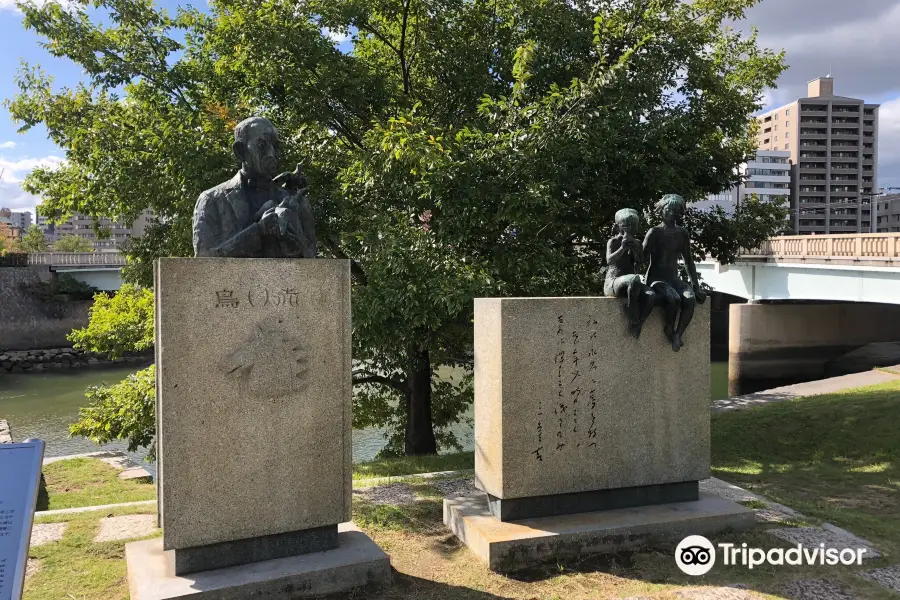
x=696 y=555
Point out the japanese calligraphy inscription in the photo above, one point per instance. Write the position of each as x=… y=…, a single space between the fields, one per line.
x=565 y=403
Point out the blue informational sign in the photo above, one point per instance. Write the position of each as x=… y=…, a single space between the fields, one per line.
x=20 y=479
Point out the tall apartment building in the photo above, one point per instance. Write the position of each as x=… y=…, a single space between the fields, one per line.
x=768 y=175
x=83 y=226
x=833 y=142
x=21 y=220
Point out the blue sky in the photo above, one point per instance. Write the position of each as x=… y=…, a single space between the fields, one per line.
x=858 y=46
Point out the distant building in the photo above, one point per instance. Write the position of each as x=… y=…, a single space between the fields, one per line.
x=116 y=232
x=22 y=220
x=833 y=143
x=888 y=213
x=9 y=233
x=768 y=176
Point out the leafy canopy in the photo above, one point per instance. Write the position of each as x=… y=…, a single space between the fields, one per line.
x=73 y=243
x=119 y=323
x=33 y=240
x=461 y=148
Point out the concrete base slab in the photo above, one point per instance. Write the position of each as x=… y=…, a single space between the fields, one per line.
x=510 y=546
x=356 y=562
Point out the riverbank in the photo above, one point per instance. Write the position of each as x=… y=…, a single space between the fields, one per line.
x=36 y=361
x=808 y=468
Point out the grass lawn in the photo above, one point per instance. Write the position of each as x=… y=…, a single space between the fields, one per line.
x=89 y=482
x=834 y=458
x=410 y=465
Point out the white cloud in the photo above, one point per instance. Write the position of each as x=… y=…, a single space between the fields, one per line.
x=15 y=171
x=7 y=145
x=889 y=144
x=12 y=172
x=858 y=46
x=336 y=36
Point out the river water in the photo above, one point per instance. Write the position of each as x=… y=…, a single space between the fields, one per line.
x=42 y=406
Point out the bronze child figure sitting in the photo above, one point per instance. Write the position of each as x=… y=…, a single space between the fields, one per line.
x=625 y=258
x=665 y=244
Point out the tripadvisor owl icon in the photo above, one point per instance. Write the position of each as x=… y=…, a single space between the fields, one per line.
x=695 y=555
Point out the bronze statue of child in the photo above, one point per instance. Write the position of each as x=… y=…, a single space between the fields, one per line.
x=664 y=245
x=625 y=258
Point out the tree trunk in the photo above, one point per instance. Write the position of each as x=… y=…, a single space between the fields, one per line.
x=419 y=437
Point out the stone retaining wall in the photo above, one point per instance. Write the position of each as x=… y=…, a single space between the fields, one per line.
x=27 y=321
x=59 y=358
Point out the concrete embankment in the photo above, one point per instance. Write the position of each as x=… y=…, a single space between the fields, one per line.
x=773 y=343
x=30 y=321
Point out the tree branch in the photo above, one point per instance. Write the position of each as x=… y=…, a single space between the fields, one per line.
x=356 y=269
x=369 y=378
x=367 y=26
x=404 y=70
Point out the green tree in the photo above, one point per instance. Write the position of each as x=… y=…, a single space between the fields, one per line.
x=73 y=243
x=33 y=240
x=119 y=323
x=461 y=148
x=123 y=411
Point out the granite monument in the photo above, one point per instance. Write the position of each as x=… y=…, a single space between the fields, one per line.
x=253 y=401
x=585 y=440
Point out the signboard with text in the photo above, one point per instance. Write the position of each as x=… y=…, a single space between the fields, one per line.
x=20 y=479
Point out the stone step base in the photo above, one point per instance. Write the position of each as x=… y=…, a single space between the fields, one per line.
x=355 y=563
x=512 y=546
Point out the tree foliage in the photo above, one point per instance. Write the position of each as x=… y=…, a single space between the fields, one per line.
x=73 y=243
x=459 y=148
x=119 y=323
x=123 y=411
x=33 y=240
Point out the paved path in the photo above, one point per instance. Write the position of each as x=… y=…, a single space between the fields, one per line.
x=79 y=509
x=115 y=458
x=811 y=388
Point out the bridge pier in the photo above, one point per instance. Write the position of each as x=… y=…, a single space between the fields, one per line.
x=772 y=344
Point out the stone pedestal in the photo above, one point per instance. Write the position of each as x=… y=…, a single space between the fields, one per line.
x=253 y=420
x=575 y=416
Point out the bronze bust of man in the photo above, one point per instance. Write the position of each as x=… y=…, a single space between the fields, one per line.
x=256 y=214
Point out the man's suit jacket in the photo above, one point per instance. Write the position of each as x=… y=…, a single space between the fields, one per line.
x=225 y=227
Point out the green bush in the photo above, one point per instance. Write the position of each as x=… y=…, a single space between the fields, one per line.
x=124 y=411
x=119 y=323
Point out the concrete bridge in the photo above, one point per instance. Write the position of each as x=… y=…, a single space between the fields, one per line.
x=102 y=270
x=849 y=268
x=811 y=301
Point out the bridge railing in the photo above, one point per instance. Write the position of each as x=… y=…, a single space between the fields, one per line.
x=77 y=259
x=872 y=248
